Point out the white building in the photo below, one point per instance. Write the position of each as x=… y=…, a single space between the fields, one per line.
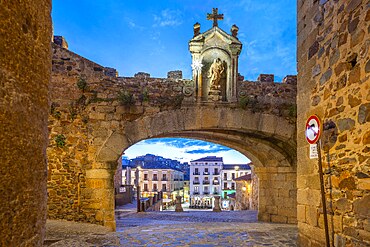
x=209 y=176
x=228 y=174
x=205 y=181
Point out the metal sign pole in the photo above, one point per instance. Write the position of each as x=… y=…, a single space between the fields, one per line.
x=323 y=198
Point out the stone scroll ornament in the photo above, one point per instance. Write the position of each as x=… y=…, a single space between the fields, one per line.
x=188 y=88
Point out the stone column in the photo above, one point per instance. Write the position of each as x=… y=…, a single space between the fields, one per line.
x=217 y=207
x=178 y=204
x=277 y=194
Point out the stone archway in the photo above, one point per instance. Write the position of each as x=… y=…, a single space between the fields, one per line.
x=258 y=136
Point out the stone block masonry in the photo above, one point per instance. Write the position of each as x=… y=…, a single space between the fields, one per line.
x=334 y=83
x=25 y=70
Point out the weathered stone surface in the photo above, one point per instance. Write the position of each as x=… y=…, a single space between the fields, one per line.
x=352 y=26
x=25 y=30
x=364 y=113
x=334 y=58
x=353 y=101
x=348 y=183
x=343 y=205
x=316 y=70
x=367 y=67
x=366 y=138
x=313 y=49
x=361 y=206
x=345 y=124
x=326 y=76
x=344 y=94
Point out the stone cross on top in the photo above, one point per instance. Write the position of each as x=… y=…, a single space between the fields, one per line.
x=215 y=17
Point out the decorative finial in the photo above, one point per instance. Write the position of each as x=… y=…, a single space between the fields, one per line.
x=196 y=29
x=234 y=31
x=215 y=17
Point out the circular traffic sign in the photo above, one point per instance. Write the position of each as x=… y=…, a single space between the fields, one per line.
x=313 y=130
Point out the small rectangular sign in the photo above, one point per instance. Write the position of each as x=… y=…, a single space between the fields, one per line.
x=313 y=151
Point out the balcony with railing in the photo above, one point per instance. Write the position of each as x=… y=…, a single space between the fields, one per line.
x=155 y=179
x=205 y=192
x=205 y=173
x=216 y=173
x=215 y=182
x=196 y=173
x=196 y=193
x=196 y=182
x=164 y=179
x=205 y=181
x=215 y=192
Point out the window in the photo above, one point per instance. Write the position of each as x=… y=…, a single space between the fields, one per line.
x=233 y=175
x=196 y=188
x=164 y=187
x=145 y=176
x=196 y=170
x=216 y=171
x=205 y=169
x=225 y=186
x=164 y=177
x=225 y=176
x=145 y=187
x=155 y=187
x=225 y=194
x=155 y=177
x=233 y=186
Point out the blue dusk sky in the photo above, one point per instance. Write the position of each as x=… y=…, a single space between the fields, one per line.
x=152 y=36
x=185 y=150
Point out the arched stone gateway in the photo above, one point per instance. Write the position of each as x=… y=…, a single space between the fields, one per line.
x=266 y=139
x=95 y=116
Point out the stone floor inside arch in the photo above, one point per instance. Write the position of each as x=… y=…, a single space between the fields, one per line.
x=168 y=228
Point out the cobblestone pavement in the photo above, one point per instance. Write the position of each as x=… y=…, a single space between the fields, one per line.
x=195 y=229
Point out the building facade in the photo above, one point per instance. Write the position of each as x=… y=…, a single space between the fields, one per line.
x=228 y=174
x=153 y=178
x=205 y=181
x=210 y=177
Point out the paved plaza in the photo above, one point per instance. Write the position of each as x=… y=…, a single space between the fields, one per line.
x=168 y=228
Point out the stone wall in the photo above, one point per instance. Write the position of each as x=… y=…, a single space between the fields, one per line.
x=254 y=187
x=333 y=83
x=25 y=31
x=269 y=97
x=243 y=199
x=277 y=193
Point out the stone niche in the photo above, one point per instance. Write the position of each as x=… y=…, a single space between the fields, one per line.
x=215 y=57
